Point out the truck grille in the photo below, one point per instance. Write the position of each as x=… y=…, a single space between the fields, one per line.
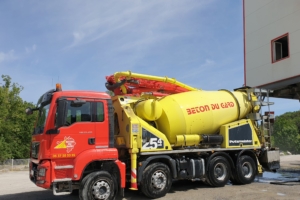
x=35 y=146
x=33 y=173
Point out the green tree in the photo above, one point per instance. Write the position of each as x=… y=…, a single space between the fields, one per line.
x=287 y=132
x=4 y=153
x=15 y=125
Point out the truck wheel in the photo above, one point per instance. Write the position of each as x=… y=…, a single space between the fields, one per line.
x=156 y=181
x=206 y=182
x=218 y=171
x=246 y=170
x=97 y=185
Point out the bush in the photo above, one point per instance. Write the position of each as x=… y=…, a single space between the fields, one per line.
x=287 y=132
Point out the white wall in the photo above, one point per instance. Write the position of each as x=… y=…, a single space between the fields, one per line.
x=266 y=20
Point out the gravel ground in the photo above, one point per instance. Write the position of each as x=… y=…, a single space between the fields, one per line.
x=16 y=185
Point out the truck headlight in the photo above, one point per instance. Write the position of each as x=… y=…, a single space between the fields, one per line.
x=42 y=172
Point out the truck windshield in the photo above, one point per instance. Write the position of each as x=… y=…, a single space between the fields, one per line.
x=41 y=120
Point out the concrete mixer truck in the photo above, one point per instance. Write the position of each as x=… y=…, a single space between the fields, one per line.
x=150 y=131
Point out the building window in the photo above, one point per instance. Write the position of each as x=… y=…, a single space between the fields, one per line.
x=280 y=48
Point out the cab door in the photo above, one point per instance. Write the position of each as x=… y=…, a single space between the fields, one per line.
x=101 y=123
x=78 y=132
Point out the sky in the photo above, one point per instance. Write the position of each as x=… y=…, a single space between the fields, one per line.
x=78 y=43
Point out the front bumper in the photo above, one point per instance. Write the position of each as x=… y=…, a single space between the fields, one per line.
x=39 y=173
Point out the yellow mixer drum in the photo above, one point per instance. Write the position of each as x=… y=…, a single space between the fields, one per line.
x=200 y=112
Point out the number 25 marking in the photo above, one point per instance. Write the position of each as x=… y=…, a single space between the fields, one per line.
x=152 y=143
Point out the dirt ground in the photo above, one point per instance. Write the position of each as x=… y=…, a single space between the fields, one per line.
x=16 y=185
x=290 y=162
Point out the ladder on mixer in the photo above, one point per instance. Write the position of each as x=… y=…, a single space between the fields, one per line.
x=267 y=118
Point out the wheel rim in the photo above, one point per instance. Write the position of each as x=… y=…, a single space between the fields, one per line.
x=101 y=190
x=159 y=180
x=220 y=171
x=247 y=169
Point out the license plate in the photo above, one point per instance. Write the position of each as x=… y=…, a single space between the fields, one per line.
x=31 y=172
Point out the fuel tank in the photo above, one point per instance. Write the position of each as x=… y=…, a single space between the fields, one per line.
x=193 y=113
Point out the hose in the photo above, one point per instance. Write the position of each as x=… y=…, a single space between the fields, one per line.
x=286 y=183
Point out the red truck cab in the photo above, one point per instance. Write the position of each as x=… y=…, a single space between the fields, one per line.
x=73 y=144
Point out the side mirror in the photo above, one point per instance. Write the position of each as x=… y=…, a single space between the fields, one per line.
x=29 y=111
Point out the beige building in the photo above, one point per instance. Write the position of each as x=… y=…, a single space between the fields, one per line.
x=272 y=46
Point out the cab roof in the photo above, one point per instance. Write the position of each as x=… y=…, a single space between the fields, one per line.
x=81 y=93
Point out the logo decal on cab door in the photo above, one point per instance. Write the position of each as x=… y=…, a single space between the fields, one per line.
x=68 y=143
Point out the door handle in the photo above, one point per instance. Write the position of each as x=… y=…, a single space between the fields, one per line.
x=91 y=141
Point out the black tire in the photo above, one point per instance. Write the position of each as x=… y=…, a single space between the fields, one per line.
x=233 y=179
x=97 y=185
x=206 y=182
x=245 y=170
x=218 y=171
x=156 y=181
